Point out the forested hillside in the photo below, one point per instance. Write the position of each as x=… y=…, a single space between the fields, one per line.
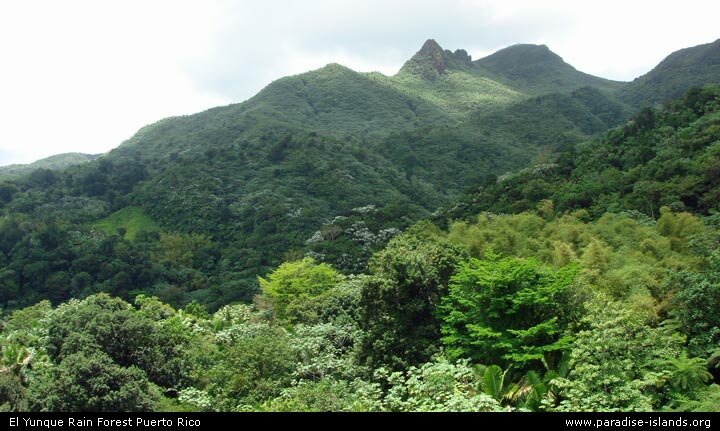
x=56 y=162
x=689 y=67
x=331 y=153
x=668 y=157
x=505 y=234
x=509 y=312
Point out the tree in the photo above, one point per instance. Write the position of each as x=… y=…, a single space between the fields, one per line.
x=621 y=362
x=326 y=395
x=439 y=385
x=110 y=325
x=92 y=382
x=291 y=286
x=679 y=227
x=398 y=302
x=696 y=304
x=507 y=311
x=253 y=364
x=7 y=191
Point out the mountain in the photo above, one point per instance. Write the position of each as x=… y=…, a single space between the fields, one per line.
x=677 y=73
x=535 y=69
x=458 y=84
x=56 y=162
x=328 y=163
x=431 y=61
x=323 y=137
x=352 y=241
x=666 y=157
x=333 y=100
x=434 y=87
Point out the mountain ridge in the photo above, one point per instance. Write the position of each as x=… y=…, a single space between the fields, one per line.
x=54 y=162
x=460 y=85
x=263 y=174
x=675 y=74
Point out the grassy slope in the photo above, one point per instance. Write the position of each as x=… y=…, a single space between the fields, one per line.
x=457 y=92
x=132 y=219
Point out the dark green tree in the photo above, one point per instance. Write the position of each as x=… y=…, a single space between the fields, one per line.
x=92 y=382
x=696 y=304
x=398 y=302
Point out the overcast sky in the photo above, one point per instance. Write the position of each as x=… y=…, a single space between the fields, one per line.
x=85 y=75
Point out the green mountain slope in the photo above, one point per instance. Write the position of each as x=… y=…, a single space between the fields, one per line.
x=330 y=163
x=534 y=69
x=487 y=144
x=333 y=100
x=668 y=157
x=56 y=162
x=435 y=87
x=554 y=119
x=681 y=70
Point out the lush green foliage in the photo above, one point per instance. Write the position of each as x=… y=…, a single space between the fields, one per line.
x=681 y=70
x=622 y=362
x=505 y=311
x=574 y=318
x=53 y=163
x=695 y=305
x=666 y=157
x=398 y=303
x=294 y=285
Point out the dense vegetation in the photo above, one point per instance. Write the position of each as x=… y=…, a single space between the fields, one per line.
x=56 y=162
x=510 y=312
x=689 y=67
x=667 y=157
x=330 y=154
x=287 y=253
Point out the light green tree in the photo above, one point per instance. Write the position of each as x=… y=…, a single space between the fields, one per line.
x=507 y=311
x=621 y=362
x=292 y=285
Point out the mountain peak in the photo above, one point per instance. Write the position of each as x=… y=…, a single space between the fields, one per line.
x=677 y=73
x=535 y=69
x=430 y=48
x=429 y=62
x=521 y=54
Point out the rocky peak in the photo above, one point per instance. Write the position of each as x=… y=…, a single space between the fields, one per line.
x=463 y=57
x=431 y=51
x=430 y=62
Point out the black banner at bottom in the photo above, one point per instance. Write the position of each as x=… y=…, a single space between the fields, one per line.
x=200 y=421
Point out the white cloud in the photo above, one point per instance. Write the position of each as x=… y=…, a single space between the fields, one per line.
x=85 y=75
